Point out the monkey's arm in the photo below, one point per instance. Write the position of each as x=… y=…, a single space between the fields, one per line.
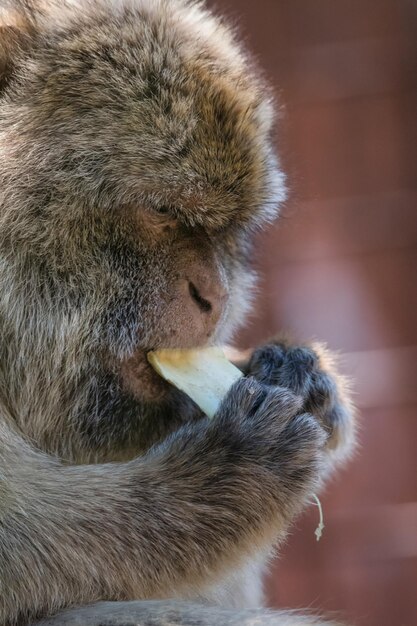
x=174 y=613
x=169 y=523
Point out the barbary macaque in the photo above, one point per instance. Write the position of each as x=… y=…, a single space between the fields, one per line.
x=136 y=166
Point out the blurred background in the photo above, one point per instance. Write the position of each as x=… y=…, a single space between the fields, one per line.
x=341 y=266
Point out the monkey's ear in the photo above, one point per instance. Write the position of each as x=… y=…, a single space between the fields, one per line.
x=17 y=28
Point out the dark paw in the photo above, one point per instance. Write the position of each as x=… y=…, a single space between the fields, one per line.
x=270 y=429
x=309 y=372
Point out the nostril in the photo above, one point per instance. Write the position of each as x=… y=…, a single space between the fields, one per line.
x=204 y=304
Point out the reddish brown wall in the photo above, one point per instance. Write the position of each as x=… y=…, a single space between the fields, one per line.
x=343 y=267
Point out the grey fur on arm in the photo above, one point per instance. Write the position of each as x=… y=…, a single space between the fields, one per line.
x=170 y=521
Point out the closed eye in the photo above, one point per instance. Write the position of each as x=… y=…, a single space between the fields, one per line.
x=162 y=210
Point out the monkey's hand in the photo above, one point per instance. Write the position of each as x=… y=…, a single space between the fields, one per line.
x=275 y=443
x=310 y=372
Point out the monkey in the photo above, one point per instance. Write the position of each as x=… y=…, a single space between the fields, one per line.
x=136 y=167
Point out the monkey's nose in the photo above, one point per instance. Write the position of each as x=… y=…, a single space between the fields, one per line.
x=209 y=298
x=204 y=305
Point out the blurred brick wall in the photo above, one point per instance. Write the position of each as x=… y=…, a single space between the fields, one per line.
x=342 y=266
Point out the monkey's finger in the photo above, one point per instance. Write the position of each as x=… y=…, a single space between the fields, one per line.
x=266 y=362
x=278 y=408
x=243 y=398
x=297 y=370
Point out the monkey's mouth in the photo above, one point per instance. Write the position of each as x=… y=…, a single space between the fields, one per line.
x=140 y=379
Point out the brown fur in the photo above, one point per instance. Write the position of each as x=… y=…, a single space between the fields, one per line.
x=135 y=167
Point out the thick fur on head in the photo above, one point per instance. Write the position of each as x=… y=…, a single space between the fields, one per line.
x=134 y=160
x=136 y=165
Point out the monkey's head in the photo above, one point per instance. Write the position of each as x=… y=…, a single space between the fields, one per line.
x=135 y=166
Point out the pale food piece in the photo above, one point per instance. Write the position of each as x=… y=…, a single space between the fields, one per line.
x=204 y=374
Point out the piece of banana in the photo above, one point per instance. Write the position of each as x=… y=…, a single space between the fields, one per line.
x=204 y=374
